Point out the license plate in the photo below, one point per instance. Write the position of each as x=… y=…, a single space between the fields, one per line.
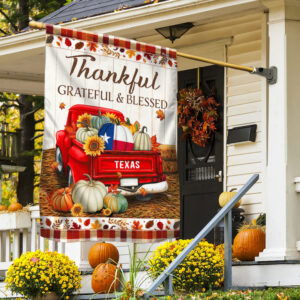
x=129 y=182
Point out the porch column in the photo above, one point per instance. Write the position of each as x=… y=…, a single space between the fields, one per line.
x=282 y=202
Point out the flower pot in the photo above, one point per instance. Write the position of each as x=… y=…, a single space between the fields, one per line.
x=48 y=296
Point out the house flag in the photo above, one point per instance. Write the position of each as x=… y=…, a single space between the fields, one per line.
x=109 y=169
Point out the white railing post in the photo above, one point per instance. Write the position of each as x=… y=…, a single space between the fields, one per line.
x=35 y=214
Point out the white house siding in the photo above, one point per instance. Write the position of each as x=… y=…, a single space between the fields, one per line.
x=246 y=104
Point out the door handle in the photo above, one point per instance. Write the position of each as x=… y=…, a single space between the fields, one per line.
x=219 y=176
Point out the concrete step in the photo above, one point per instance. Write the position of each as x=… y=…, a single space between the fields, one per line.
x=266 y=274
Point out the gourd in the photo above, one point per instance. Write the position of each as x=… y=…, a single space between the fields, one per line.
x=116 y=137
x=83 y=133
x=98 y=121
x=105 y=279
x=89 y=194
x=102 y=253
x=142 y=140
x=248 y=243
x=225 y=197
x=117 y=203
x=61 y=200
x=15 y=206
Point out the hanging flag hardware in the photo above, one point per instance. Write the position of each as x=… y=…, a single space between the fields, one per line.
x=269 y=73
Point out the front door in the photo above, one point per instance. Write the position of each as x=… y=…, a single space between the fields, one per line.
x=201 y=168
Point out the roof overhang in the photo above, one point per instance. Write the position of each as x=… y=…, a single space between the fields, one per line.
x=22 y=55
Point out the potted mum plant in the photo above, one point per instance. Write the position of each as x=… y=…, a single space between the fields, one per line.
x=43 y=276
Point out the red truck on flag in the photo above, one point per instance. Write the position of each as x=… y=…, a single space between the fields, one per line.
x=132 y=170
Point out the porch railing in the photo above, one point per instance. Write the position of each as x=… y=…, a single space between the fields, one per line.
x=17 y=241
x=224 y=213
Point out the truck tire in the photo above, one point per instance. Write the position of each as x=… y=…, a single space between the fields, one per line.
x=58 y=159
x=144 y=198
x=70 y=177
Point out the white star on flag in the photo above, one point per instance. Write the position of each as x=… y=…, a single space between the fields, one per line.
x=105 y=137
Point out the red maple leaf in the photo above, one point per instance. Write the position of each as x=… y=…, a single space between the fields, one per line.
x=54 y=165
x=113 y=188
x=62 y=105
x=143 y=191
x=136 y=225
x=160 y=114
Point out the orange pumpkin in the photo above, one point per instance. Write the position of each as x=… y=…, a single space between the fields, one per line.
x=61 y=200
x=102 y=252
x=15 y=207
x=105 y=279
x=248 y=243
x=3 y=207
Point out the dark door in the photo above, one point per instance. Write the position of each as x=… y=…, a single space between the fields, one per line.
x=201 y=168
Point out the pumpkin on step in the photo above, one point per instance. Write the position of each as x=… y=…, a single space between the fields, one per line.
x=102 y=253
x=61 y=200
x=142 y=140
x=117 y=203
x=105 y=278
x=247 y=244
x=89 y=194
x=15 y=206
x=3 y=207
x=225 y=197
x=98 y=121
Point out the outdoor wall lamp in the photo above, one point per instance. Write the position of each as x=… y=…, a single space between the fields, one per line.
x=174 y=32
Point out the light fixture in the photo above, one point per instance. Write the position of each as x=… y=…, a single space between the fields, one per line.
x=175 y=31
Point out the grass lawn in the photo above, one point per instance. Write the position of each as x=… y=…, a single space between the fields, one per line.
x=266 y=294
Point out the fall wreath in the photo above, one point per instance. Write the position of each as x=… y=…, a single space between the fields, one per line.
x=197 y=115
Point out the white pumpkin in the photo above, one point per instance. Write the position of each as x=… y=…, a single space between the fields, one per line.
x=89 y=194
x=83 y=133
x=142 y=140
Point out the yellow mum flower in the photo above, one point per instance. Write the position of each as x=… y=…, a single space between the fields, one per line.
x=94 y=145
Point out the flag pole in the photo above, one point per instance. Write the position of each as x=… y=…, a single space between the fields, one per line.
x=269 y=73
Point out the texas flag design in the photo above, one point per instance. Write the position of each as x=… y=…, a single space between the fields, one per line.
x=116 y=137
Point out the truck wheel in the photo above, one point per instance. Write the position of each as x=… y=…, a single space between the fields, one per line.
x=144 y=198
x=58 y=158
x=70 y=177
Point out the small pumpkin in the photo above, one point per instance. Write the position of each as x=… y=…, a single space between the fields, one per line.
x=3 y=207
x=105 y=279
x=101 y=253
x=90 y=194
x=61 y=200
x=225 y=197
x=83 y=133
x=117 y=203
x=248 y=243
x=98 y=121
x=142 y=140
x=15 y=206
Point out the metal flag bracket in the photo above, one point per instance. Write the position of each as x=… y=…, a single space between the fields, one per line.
x=269 y=73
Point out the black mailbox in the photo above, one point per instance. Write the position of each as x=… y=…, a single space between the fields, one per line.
x=242 y=134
